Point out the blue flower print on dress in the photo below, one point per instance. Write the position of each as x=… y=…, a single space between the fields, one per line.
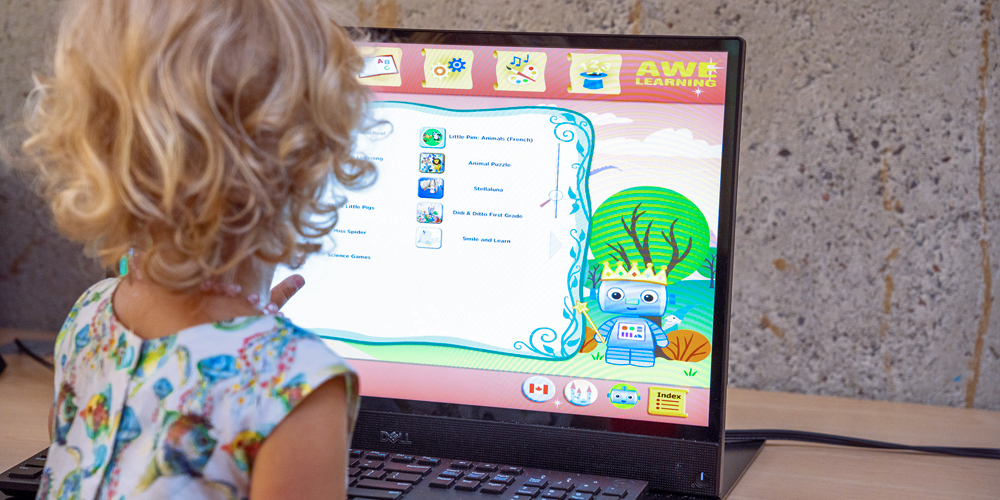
x=100 y=455
x=183 y=448
x=82 y=338
x=163 y=388
x=129 y=428
x=217 y=368
x=122 y=353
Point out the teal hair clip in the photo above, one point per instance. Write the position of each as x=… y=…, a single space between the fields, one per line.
x=123 y=263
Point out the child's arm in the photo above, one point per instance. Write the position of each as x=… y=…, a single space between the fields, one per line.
x=305 y=456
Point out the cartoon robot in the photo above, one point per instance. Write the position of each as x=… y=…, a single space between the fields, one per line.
x=632 y=294
x=624 y=396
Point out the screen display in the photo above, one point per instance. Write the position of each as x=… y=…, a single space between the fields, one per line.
x=542 y=234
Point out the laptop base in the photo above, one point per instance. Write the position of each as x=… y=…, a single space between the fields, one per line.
x=736 y=459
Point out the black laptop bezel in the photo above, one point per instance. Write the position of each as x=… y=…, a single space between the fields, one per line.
x=380 y=417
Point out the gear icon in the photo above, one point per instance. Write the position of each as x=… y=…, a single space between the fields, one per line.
x=440 y=71
x=456 y=64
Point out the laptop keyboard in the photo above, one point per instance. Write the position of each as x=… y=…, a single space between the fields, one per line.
x=374 y=475
x=21 y=481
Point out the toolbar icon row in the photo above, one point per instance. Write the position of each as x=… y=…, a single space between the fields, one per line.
x=516 y=71
x=663 y=401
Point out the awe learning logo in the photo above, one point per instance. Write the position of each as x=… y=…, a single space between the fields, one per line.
x=678 y=73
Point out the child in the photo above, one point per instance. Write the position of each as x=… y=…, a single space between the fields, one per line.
x=202 y=136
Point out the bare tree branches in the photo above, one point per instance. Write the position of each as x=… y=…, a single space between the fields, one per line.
x=594 y=277
x=676 y=256
x=710 y=264
x=641 y=246
x=620 y=250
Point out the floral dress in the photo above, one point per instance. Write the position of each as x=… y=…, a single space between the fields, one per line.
x=181 y=416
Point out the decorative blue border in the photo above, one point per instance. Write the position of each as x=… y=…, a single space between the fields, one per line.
x=569 y=127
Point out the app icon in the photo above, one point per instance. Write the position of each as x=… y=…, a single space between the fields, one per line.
x=430 y=187
x=381 y=66
x=520 y=71
x=667 y=401
x=538 y=389
x=580 y=393
x=447 y=68
x=428 y=237
x=432 y=137
x=595 y=73
x=623 y=396
x=432 y=163
x=430 y=212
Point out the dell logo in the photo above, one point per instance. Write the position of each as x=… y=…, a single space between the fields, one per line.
x=395 y=437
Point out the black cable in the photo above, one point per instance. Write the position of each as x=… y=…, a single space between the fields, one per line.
x=31 y=354
x=733 y=436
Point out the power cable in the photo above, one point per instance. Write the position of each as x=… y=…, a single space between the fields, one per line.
x=31 y=354
x=733 y=436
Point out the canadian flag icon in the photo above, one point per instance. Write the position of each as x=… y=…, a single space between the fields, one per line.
x=538 y=389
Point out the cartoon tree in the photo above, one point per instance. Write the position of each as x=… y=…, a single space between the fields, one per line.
x=621 y=228
x=710 y=266
x=640 y=246
x=593 y=281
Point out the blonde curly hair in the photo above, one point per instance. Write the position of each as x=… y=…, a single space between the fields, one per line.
x=203 y=134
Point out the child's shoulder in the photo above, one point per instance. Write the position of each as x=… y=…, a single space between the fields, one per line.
x=262 y=367
x=94 y=302
x=92 y=297
x=261 y=353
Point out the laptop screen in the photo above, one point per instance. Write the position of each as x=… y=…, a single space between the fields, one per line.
x=543 y=238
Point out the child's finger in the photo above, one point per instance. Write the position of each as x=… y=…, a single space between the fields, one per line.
x=286 y=289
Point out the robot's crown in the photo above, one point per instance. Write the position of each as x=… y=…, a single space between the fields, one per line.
x=645 y=276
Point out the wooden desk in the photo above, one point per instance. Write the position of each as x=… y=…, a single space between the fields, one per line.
x=782 y=470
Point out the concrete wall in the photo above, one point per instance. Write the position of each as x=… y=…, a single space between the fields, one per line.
x=869 y=194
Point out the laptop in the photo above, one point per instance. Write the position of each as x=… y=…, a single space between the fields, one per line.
x=535 y=292
x=541 y=274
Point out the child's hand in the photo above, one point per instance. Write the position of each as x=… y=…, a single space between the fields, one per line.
x=279 y=294
x=285 y=290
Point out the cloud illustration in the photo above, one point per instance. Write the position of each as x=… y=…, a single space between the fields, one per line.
x=666 y=142
x=606 y=119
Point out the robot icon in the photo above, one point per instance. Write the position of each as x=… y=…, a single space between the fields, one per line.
x=623 y=396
